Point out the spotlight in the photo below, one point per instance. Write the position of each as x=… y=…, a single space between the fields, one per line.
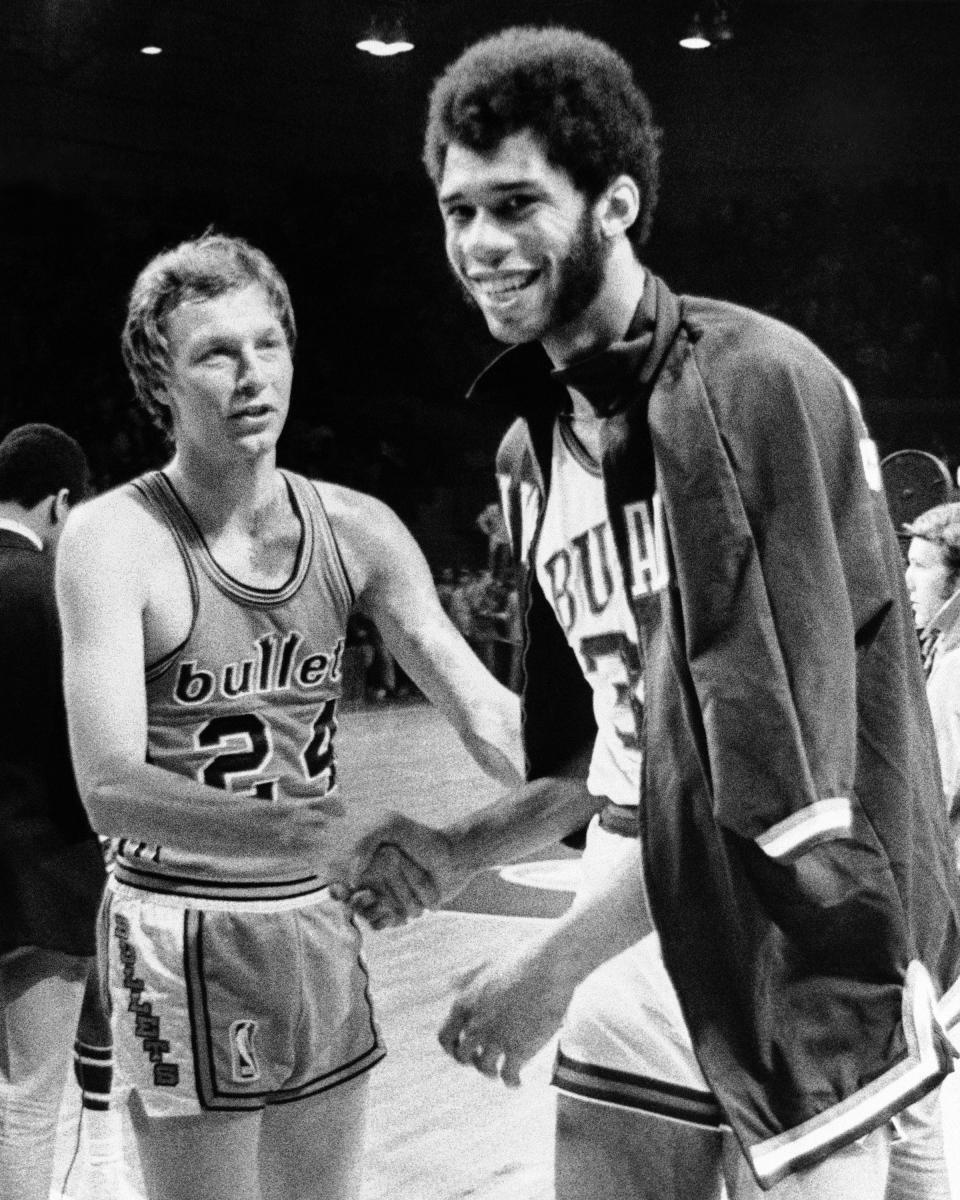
x=384 y=49
x=695 y=37
x=151 y=51
x=386 y=33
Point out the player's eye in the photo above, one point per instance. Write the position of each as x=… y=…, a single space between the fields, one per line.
x=514 y=206
x=458 y=214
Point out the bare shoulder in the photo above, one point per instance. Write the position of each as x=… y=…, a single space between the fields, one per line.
x=352 y=512
x=375 y=544
x=114 y=521
x=364 y=526
x=115 y=553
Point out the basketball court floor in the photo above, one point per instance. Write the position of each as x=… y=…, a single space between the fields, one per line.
x=437 y=1131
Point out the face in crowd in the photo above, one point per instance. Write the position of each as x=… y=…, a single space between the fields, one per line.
x=931 y=579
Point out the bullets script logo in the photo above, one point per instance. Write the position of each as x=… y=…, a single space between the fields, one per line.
x=242 y=1054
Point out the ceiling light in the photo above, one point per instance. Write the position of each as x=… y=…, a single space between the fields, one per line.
x=381 y=48
x=695 y=37
x=386 y=34
x=151 y=50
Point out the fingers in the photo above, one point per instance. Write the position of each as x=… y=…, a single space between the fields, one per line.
x=391 y=891
x=464 y=1044
x=398 y=881
x=426 y=852
x=486 y=1059
x=451 y=1031
x=510 y=1070
x=387 y=877
x=373 y=909
x=501 y=1016
x=417 y=881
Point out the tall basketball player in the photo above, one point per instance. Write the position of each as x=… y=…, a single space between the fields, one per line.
x=718 y=648
x=204 y=612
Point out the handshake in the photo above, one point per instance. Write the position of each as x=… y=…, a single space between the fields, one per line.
x=397 y=870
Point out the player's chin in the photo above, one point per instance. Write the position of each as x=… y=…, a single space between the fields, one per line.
x=513 y=332
x=256 y=443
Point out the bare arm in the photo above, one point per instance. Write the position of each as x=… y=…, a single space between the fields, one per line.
x=387 y=887
x=507 y=1010
x=396 y=590
x=103 y=574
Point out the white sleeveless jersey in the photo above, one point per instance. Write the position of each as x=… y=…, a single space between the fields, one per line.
x=578 y=570
x=247 y=703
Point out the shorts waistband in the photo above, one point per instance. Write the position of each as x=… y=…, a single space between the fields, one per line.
x=622 y=819
x=236 y=896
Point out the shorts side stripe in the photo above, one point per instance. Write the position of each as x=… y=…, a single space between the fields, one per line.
x=209 y=1094
x=604 y=1084
x=197 y=1002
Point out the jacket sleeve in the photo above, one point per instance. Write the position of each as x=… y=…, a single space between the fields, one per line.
x=773 y=499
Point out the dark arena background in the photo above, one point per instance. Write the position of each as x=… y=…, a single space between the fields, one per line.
x=811 y=169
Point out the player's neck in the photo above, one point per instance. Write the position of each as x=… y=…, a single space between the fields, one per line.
x=245 y=495
x=34 y=519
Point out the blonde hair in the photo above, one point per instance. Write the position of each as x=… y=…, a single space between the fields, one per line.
x=199 y=269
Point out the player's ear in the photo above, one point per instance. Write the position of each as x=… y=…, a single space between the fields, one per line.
x=59 y=507
x=618 y=206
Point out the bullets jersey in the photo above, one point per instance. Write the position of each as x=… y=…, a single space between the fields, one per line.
x=577 y=568
x=247 y=703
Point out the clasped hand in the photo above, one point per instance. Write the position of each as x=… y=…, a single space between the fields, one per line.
x=396 y=871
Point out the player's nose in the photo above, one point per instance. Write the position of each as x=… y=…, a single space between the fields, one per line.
x=485 y=239
x=251 y=376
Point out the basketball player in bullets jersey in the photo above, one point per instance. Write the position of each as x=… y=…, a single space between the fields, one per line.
x=204 y=610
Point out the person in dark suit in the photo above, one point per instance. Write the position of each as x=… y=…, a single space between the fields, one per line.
x=51 y=865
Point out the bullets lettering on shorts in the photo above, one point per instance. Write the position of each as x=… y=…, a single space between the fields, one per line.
x=146 y=1024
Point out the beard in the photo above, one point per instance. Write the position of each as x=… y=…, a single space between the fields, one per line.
x=580 y=275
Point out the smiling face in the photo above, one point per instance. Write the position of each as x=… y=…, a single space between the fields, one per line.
x=230 y=374
x=931 y=581
x=522 y=241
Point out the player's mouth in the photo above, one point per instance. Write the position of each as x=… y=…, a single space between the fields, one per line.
x=500 y=290
x=252 y=412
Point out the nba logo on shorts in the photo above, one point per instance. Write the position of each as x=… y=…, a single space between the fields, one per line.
x=242 y=1053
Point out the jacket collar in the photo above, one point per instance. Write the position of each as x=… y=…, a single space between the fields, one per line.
x=19 y=531
x=611 y=379
x=947 y=623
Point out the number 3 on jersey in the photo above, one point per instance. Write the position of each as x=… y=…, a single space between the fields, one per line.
x=244 y=742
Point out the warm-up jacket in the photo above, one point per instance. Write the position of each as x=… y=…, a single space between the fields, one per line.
x=797 y=858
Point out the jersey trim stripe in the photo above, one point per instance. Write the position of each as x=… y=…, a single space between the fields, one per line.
x=151 y=491
x=258 y=895
x=229 y=584
x=578 y=452
x=328 y=535
x=928 y=1059
x=824 y=820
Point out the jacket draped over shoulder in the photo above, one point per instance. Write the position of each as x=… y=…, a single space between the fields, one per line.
x=798 y=865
